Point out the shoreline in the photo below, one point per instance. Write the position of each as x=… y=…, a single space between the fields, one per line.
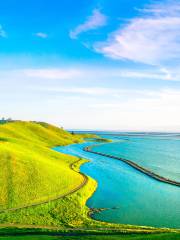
x=135 y=166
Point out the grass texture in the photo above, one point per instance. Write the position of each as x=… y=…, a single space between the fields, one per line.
x=30 y=171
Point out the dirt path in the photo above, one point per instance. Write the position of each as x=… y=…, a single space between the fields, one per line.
x=85 y=180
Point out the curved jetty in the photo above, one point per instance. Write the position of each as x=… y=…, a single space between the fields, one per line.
x=136 y=166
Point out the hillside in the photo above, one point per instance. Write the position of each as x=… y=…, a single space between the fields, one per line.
x=30 y=171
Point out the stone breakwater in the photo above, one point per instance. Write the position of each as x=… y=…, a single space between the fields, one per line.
x=136 y=166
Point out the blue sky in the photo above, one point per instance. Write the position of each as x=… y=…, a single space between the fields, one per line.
x=107 y=64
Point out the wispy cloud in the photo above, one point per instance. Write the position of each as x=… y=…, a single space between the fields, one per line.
x=94 y=73
x=2 y=32
x=93 y=91
x=152 y=38
x=96 y=20
x=51 y=73
x=41 y=35
x=86 y=73
x=83 y=90
x=161 y=74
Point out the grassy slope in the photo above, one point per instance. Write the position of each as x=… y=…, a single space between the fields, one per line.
x=30 y=171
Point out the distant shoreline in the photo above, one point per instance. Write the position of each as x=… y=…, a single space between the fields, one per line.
x=134 y=165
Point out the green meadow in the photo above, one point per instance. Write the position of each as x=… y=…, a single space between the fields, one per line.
x=31 y=172
x=43 y=189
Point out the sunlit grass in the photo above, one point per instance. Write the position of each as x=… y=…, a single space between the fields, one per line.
x=30 y=171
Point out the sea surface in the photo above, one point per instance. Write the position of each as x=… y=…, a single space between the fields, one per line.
x=158 y=153
x=130 y=196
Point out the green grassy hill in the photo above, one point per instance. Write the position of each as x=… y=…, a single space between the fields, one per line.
x=30 y=171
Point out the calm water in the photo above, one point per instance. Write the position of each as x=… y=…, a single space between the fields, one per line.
x=133 y=198
x=160 y=154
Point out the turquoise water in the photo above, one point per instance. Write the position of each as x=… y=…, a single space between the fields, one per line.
x=158 y=154
x=131 y=196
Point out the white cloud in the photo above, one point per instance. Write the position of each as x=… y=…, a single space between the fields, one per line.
x=152 y=38
x=2 y=32
x=85 y=73
x=170 y=7
x=93 y=73
x=51 y=73
x=94 y=91
x=161 y=74
x=96 y=20
x=83 y=90
x=41 y=35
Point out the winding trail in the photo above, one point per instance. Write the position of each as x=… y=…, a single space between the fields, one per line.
x=85 y=180
x=134 y=165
